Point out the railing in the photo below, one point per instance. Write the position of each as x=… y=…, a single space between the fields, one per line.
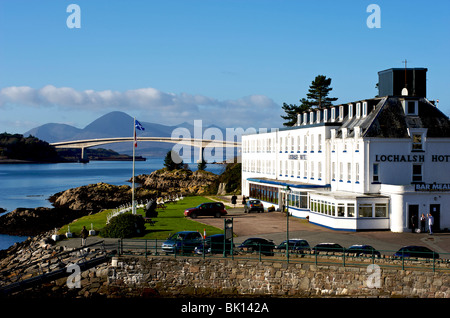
x=125 y=208
x=337 y=257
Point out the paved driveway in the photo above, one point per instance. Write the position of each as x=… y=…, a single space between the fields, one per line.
x=272 y=226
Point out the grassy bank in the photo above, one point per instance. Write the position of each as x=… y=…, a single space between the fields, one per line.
x=169 y=220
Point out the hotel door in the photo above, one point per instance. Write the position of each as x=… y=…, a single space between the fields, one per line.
x=413 y=210
x=435 y=211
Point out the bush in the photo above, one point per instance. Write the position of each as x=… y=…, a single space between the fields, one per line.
x=124 y=226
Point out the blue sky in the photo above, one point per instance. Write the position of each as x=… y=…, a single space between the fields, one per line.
x=227 y=62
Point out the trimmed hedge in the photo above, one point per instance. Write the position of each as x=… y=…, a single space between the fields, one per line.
x=124 y=226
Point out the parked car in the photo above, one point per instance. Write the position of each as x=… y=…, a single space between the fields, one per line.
x=253 y=205
x=362 y=249
x=216 y=209
x=295 y=245
x=182 y=242
x=327 y=247
x=416 y=251
x=214 y=244
x=257 y=244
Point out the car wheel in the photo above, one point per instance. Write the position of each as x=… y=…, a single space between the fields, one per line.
x=194 y=215
x=217 y=215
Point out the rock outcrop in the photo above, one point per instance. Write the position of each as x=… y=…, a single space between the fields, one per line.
x=92 y=197
x=33 y=221
x=178 y=181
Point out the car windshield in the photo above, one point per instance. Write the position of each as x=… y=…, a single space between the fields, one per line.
x=178 y=236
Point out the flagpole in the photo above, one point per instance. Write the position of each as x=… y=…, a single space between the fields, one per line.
x=133 y=211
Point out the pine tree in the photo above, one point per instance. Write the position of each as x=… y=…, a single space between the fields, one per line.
x=173 y=161
x=319 y=90
x=317 y=97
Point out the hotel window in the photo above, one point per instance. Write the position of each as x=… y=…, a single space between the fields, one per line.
x=358 y=110
x=292 y=144
x=305 y=169
x=365 y=210
x=380 y=210
x=411 y=107
x=333 y=171
x=341 y=113
x=350 y=210
x=319 y=170
x=417 y=144
x=298 y=168
x=312 y=143
x=350 y=111
x=298 y=143
x=417 y=173
x=341 y=171
x=349 y=172
x=281 y=144
x=357 y=172
x=286 y=166
x=292 y=168
x=319 y=143
x=333 y=114
x=286 y=144
x=364 y=110
x=376 y=171
x=305 y=143
x=341 y=209
x=312 y=169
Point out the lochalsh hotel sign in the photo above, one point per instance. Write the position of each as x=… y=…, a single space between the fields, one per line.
x=411 y=158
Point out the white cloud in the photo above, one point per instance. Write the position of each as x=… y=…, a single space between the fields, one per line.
x=154 y=105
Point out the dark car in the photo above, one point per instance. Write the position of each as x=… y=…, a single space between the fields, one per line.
x=216 y=209
x=257 y=244
x=362 y=249
x=182 y=242
x=327 y=247
x=214 y=244
x=416 y=251
x=253 y=205
x=295 y=245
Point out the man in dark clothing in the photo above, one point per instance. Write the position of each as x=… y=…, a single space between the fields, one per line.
x=84 y=234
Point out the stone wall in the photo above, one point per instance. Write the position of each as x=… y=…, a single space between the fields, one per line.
x=172 y=277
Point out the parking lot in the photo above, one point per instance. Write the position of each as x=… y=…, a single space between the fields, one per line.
x=272 y=225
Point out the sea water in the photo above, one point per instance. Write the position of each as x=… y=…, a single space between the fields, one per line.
x=30 y=185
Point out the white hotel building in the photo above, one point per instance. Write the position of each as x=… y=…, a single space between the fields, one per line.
x=367 y=165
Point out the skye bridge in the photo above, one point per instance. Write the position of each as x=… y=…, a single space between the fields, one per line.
x=195 y=142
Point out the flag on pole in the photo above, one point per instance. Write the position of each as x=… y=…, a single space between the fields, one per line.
x=137 y=125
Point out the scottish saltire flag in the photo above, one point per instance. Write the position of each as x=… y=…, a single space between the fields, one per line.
x=139 y=126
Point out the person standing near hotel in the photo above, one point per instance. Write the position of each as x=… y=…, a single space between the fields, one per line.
x=84 y=234
x=423 y=220
x=430 y=223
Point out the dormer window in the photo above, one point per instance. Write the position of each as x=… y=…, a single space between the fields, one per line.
x=418 y=136
x=341 y=113
x=305 y=118
x=411 y=107
x=364 y=109
x=333 y=114
x=358 y=110
x=350 y=111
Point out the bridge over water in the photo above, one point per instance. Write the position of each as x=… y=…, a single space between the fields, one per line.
x=195 y=142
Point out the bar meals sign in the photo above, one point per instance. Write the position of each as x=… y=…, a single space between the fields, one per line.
x=432 y=187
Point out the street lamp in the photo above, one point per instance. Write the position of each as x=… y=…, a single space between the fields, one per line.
x=288 y=191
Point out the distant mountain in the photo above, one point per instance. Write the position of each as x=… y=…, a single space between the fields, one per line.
x=114 y=124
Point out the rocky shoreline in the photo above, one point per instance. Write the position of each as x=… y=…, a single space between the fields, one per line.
x=74 y=203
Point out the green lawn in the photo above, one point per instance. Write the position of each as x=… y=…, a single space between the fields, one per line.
x=169 y=220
